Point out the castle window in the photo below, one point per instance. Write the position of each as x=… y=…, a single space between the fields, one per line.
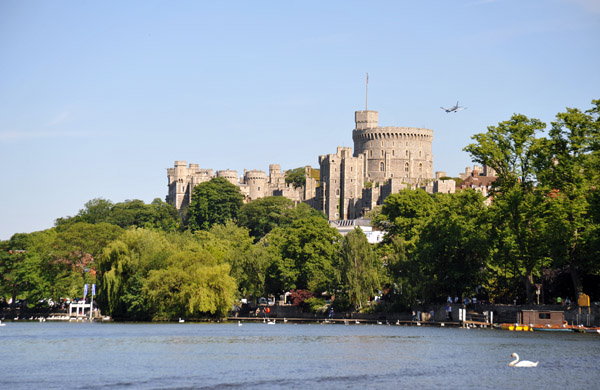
x=381 y=166
x=370 y=153
x=259 y=188
x=406 y=167
x=381 y=143
x=392 y=175
x=419 y=153
x=382 y=153
x=420 y=167
x=407 y=153
x=393 y=152
x=337 y=191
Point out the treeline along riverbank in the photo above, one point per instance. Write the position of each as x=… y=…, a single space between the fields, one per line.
x=540 y=227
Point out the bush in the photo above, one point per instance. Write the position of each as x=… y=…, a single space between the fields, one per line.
x=316 y=305
x=341 y=303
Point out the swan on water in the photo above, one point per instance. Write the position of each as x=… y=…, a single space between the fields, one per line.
x=522 y=363
x=239 y=323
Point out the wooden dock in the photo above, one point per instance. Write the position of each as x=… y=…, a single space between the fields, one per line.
x=346 y=321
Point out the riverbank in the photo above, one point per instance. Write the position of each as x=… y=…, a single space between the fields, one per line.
x=574 y=315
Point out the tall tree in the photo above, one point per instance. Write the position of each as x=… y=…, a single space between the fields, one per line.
x=404 y=214
x=358 y=270
x=264 y=214
x=304 y=253
x=568 y=173
x=214 y=202
x=511 y=148
x=453 y=249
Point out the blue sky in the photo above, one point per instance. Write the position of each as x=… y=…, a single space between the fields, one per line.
x=97 y=99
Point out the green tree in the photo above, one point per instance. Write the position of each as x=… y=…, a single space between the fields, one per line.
x=123 y=266
x=248 y=261
x=511 y=148
x=453 y=248
x=304 y=252
x=358 y=270
x=264 y=214
x=96 y=210
x=568 y=175
x=405 y=214
x=214 y=202
x=192 y=285
x=296 y=177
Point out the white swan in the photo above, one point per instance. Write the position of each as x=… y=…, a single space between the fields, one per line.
x=523 y=363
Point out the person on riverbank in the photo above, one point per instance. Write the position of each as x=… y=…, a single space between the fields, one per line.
x=449 y=312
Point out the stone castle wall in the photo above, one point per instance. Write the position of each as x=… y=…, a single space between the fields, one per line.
x=385 y=160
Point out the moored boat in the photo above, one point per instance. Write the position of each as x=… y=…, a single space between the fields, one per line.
x=552 y=328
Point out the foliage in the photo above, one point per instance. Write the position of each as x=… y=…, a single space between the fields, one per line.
x=298 y=297
x=304 y=251
x=214 y=203
x=358 y=270
x=264 y=214
x=296 y=177
x=158 y=214
x=316 y=305
x=404 y=214
x=453 y=249
x=162 y=276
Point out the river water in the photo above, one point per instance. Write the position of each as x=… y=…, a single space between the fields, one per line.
x=289 y=356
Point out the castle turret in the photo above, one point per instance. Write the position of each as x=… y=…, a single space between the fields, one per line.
x=229 y=175
x=257 y=184
x=393 y=152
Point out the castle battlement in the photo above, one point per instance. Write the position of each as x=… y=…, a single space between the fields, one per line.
x=385 y=160
x=391 y=133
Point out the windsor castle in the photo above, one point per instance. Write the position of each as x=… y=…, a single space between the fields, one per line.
x=385 y=160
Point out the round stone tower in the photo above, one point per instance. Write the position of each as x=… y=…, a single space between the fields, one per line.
x=392 y=152
x=257 y=184
x=229 y=175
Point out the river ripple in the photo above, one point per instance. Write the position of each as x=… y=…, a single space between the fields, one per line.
x=289 y=356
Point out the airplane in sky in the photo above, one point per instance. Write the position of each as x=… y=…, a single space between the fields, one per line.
x=454 y=108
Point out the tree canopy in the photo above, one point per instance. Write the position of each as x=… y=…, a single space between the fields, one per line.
x=214 y=202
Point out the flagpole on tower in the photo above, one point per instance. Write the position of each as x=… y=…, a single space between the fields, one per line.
x=367 y=102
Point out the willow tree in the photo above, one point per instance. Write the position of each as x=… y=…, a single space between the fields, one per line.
x=358 y=270
x=192 y=285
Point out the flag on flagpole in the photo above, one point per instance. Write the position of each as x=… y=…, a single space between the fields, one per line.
x=85 y=290
x=93 y=290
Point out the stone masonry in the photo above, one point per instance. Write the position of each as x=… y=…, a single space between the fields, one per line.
x=385 y=160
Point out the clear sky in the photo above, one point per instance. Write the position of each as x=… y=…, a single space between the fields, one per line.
x=98 y=98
